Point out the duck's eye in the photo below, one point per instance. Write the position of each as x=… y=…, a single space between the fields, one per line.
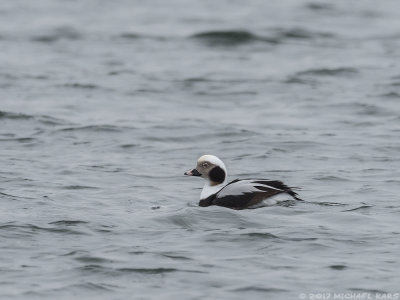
x=205 y=165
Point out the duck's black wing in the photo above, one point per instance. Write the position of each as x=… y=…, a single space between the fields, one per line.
x=279 y=185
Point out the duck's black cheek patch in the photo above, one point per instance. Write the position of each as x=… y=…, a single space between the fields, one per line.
x=217 y=175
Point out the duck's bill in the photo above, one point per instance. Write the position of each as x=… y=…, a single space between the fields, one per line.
x=193 y=172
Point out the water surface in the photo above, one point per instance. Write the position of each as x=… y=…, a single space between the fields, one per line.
x=104 y=105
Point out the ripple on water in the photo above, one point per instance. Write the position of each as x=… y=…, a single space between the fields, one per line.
x=282 y=34
x=87 y=86
x=337 y=72
x=42 y=119
x=11 y=115
x=134 y=36
x=147 y=96
x=84 y=286
x=362 y=207
x=212 y=218
x=79 y=187
x=262 y=235
x=96 y=128
x=20 y=140
x=30 y=229
x=175 y=257
x=101 y=269
x=92 y=259
x=332 y=178
x=58 y=33
x=338 y=267
x=68 y=222
x=391 y=95
x=259 y=289
x=313 y=76
x=229 y=38
x=319 y=7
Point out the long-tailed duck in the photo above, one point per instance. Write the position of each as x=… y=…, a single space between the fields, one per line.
x=237 y=194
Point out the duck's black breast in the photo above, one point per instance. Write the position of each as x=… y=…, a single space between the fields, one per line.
x=208 y=201
x=241 y=194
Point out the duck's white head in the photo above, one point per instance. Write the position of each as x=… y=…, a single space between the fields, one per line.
x=210 y=168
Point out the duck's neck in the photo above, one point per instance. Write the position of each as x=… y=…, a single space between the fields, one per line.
x=211 y=188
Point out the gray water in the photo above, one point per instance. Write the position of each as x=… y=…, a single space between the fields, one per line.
x=104 y=105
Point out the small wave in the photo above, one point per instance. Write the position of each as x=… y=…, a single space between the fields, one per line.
x=94 y=286
x=288 y=203
x=240 y=37
x=95 y=128
x=338 y=267
x=328 y=72
x=263 y=235
x=310 y=77
x=301 y=239
x=92 y=259
x=395 y=77
x=364 y=109
x=148 y=270
x=92 y=268
x=14 y=196
x=118 y=72
x=391 y=95
x=129 y=146
x=47 y=120
x=30 y=228
x=156 y=270
x=75 y=252
x=20 y=140
x=230 y=37
x=60 y=33
x=78 y=187
x=191 y=80
x=319 y=6
x=95 y=268
x=147 y=90
x=298 y=80
x=9 y=76
x=372 y=291
x=211 y=218
x=130 y=35
x=326 y=203
x=176 y=257
x=8 y=195
x=11 y=115
x=136 y=36
x=300 y=33
x=258 y=289
x=363 y=207
x=181 y=221
x=38 y=77
x=226 y=93
x=68 y=222
x=99 y=287
x=331 y=178
x=87 y=86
